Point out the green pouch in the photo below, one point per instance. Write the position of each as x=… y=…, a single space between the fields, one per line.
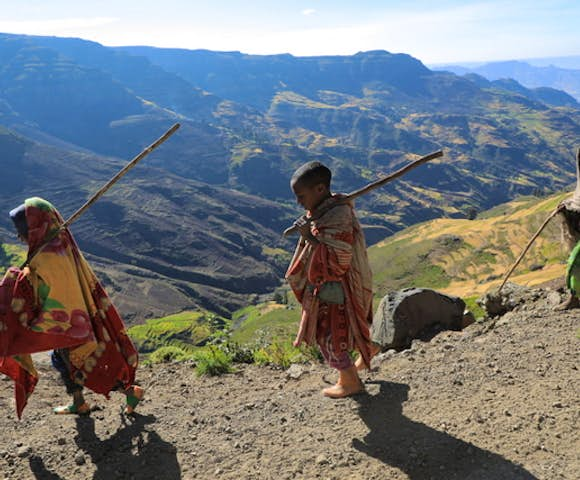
x=331 y=292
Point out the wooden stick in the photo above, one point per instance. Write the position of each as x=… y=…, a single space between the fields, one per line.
x=104 y=189
x=371 y=186
x=399 y=173
x=558 y=209
x=116 y=178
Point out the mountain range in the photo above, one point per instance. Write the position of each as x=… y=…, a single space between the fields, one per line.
x=528 y=74
x=197 y=225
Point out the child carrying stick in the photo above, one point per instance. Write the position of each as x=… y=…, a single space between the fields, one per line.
x=331 y=278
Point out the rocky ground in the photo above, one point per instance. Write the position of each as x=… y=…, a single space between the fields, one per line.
x=496 y=401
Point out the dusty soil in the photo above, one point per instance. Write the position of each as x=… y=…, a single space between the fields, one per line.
x=496 y=401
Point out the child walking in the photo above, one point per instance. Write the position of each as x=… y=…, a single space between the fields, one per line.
x=331 y=278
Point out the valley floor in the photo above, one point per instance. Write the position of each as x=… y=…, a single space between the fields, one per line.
x=496 y=401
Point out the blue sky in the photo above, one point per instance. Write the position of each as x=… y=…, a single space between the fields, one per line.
x=434 y=32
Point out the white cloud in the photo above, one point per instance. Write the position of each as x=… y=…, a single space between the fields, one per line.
x=308 y=11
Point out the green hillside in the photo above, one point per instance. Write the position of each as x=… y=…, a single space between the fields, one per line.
x=265 y=322
x=460 y=257
x=185 y=330
x=468 y=257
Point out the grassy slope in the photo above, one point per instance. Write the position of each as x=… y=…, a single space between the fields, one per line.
x=267 y=321
x=186 y=330
x=468 y=257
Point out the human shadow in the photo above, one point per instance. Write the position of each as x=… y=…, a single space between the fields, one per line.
x=422 y=452
x=39 y=470
x=131 y=452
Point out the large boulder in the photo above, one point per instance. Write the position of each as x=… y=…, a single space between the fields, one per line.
x=413 y=313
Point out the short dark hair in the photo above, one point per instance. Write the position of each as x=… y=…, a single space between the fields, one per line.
x=311 y=174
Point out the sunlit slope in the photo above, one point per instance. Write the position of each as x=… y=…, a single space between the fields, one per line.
x=186 y=330
x=266 y=322
x=468 y=257
x=10 y=255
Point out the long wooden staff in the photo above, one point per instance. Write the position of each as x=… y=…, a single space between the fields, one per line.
x=558 y=209
x=371 y=186
x=103 y=190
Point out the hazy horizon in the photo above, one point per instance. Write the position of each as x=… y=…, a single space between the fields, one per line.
x=566 y=61
x=451 y=31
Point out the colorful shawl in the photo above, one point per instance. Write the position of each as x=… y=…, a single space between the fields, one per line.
x=57 y=302
x=340 y=256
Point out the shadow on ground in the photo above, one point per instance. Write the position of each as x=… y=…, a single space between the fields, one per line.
x=132 y=452
x=422 y=452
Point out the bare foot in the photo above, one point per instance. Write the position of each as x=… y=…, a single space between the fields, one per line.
x=341 y=391
x=360 y=364
x=348 y=384
x=570 y=303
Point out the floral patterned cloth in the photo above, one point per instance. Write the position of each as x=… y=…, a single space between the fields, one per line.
x=340 y=256
x=57 y=302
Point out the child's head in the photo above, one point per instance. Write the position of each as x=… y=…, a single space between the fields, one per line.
x=18 y=216
x=311 y=184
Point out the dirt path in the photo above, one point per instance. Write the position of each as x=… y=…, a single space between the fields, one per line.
x=487 y=403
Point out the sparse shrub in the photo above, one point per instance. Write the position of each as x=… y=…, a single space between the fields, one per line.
x=238 y=353
x=261 y=357
x=474 y=307
x=281 y=296
x=311 y=353
x=169 y=353
x=471 y=213
x=212 y=361
x=279 y=354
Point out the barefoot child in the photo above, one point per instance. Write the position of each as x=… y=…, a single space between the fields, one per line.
x=58 y=303
x=331 y=278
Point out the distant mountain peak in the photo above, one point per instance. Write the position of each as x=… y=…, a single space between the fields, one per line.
x=529 y=75
x=373 y=53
